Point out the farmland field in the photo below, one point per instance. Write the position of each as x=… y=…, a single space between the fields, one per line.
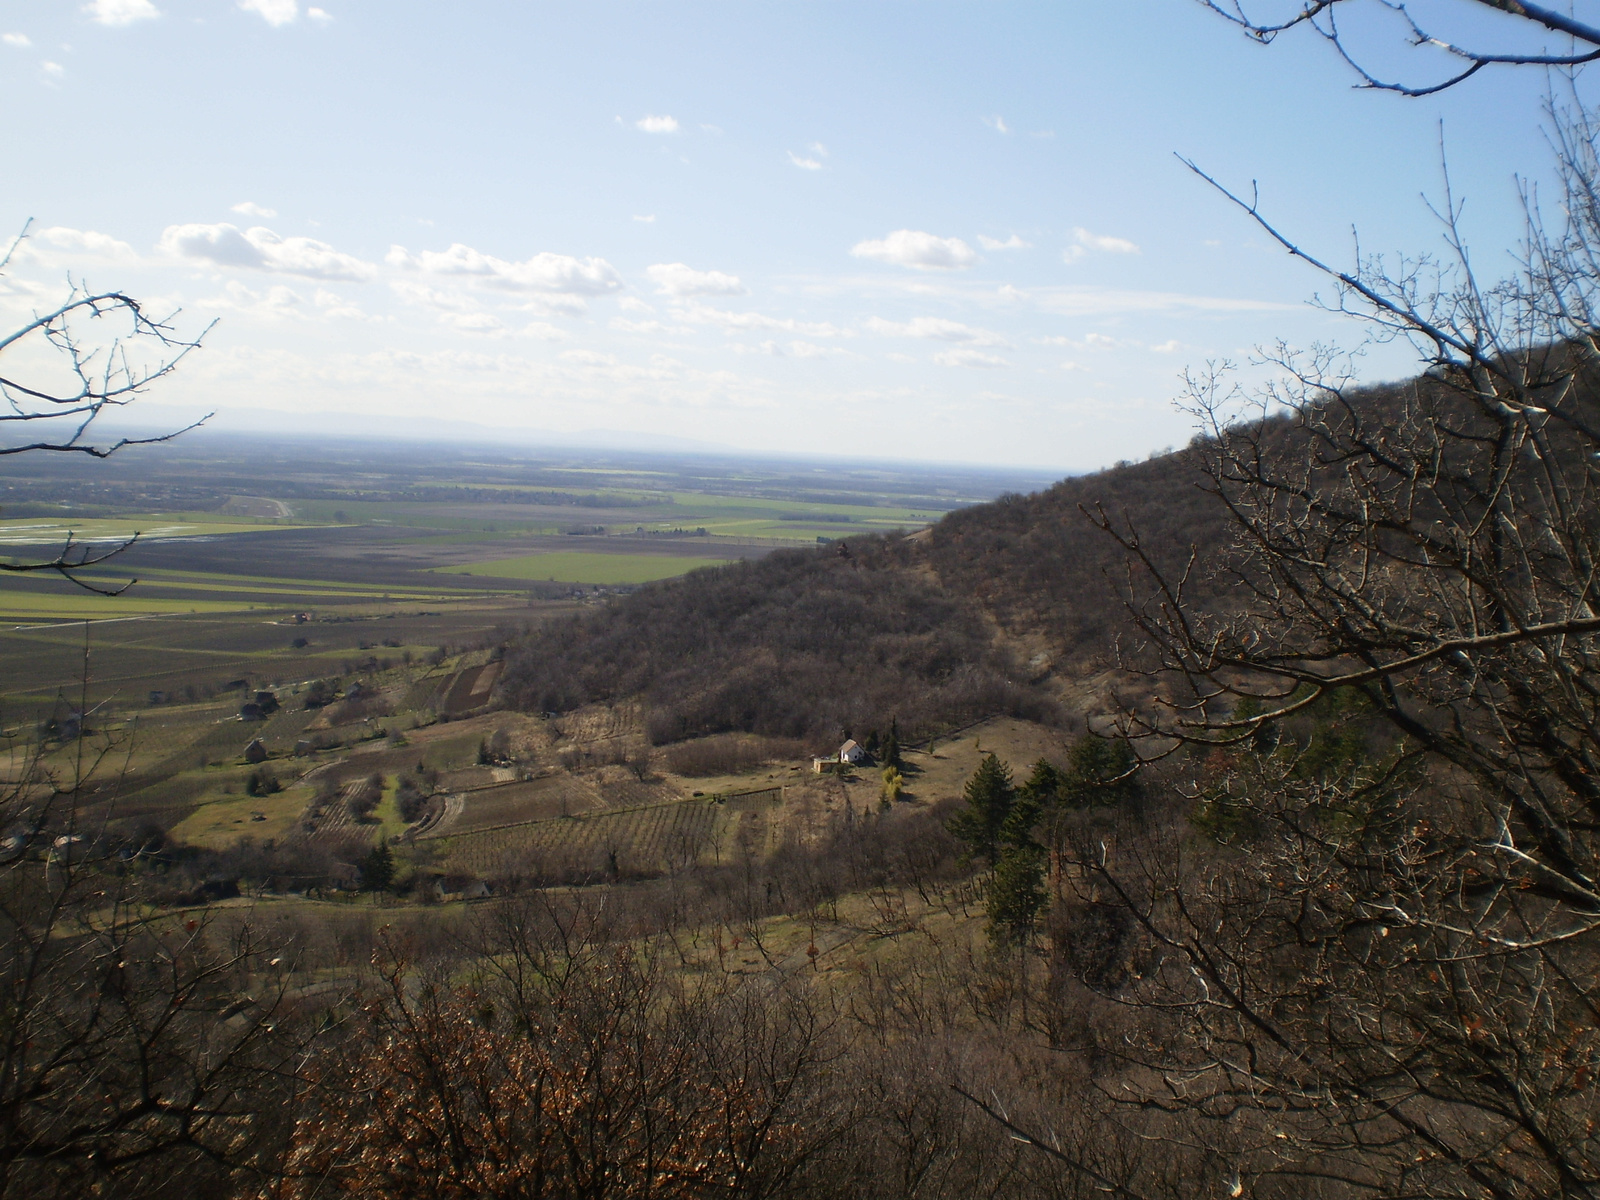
x=576 y=566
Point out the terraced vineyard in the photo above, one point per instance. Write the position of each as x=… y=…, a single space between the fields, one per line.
x=499 y=805
x=643 y=841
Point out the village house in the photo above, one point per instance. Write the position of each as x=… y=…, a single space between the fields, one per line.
x=849 y=755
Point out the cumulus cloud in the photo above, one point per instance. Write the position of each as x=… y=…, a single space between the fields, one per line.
x=120 y=12
x=259 y=248
x=52 y=68
x=655 y=124
x=913 y=248
x=633 y=304
x=273 y=12
x=649 y=219
x=588 y=358
x=677 y=279
x=997 y=123
x=448 y=300
x=86 y=241
x=1172 y=346
x=333 y=305
x=969 y=358
x=1083 y=242
x=794 y=349
x=701 y=314
x=623 y=325
x=246 y=208
x=473 y=322
x=938 y=329
x=318 y=14
x=1011 y=243
x=20 y=40
x=273 y=303
x=544 y=272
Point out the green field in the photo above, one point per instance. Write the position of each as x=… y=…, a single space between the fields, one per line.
x=35 y=532
x=576 y=566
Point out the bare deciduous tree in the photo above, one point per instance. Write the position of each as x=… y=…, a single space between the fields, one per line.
x=93 y=352
x=1377 y=967
x=1461 y=59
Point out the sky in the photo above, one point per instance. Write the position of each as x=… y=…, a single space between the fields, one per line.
x=953 y=232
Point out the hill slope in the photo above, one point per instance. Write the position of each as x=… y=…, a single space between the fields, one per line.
x=935 y=631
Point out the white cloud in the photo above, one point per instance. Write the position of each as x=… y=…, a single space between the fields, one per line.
x=654 y=124
x=335 y=306
x=19 y=40
x=1168 y=347
x=1084 y=242
x=677 y=279
x=633 y=304
x=273 y=12
x=85 y=241
x=246 y=208
x=913 y=248
x=52 y=68
x=318 y=14
x=120 y=12
x=1100 y=340
x=937 y=329
x=646 y=220
x=807 y=164
x=969 y=358
x=652 y=328
x=274 y=303
x=473 y=322
x=544 y=331
x=1011 y=243
x=419 y=293
x=588 y=358
x=810 y=350
x=997 y=123
x=544 y=272
x=261 y=249
x=701 y=314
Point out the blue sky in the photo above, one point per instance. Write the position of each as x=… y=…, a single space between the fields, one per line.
x=938 y=231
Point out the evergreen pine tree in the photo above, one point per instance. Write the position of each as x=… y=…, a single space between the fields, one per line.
x=1096 y=770
x=1016 y=895
x=377 y=869
x=891 y=747
x=990 y=795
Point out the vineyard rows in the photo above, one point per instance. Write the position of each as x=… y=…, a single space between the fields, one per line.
x=636 y=841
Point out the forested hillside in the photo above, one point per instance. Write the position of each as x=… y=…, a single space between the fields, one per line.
x=928 y=630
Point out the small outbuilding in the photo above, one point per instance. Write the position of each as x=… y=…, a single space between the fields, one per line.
x=256 y=751
x=456 y=887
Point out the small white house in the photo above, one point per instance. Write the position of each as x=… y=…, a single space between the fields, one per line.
x=851 y=752
x=457 y=888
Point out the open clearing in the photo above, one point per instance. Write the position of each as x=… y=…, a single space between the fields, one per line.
x=577 y=566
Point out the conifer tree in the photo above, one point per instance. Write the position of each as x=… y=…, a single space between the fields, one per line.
x=1016 y=894
x=377 y=869
x=990 y=795
x=1099 y=772
x=891 y=746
